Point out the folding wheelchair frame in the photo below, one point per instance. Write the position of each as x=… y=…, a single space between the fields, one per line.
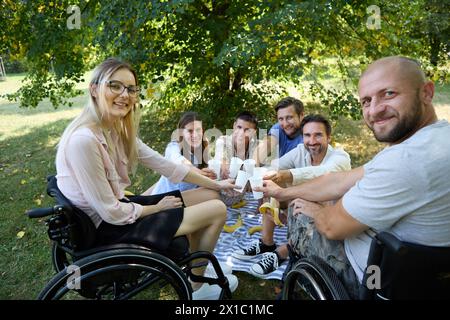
x=119 y=271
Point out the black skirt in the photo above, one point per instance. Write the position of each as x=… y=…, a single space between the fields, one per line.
x=155 y=230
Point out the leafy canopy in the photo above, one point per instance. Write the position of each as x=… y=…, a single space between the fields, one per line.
x=220 y=57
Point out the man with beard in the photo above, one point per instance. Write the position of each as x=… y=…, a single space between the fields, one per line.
x=310 y=159
x=404 y=189
x=285 y=134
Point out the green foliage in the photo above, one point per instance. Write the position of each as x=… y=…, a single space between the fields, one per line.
x=43 y=85
x=221 y=56
x=339 y=103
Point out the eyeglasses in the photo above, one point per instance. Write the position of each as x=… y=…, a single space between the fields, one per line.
x=118 y=87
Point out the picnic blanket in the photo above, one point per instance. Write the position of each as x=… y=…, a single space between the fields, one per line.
x=240 y=238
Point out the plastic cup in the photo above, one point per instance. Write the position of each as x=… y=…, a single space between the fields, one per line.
x=241 y=180
x=249 y=166
x=235 y=165
x=256 y=182
x=214 y=165
x=259 y=172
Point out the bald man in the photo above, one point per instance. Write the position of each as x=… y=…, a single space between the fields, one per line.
x=404 y=189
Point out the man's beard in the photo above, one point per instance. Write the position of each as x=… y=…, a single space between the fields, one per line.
x=404 y=127
x=318 y=151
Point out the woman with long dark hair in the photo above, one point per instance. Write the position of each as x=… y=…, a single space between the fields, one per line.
x=187 y=147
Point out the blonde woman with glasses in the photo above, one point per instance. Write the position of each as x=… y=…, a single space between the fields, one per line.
x=100 y=148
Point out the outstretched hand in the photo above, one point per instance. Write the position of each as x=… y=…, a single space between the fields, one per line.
x=279 y=177
x=227 y=184
x=209 y=173
x=269 y=188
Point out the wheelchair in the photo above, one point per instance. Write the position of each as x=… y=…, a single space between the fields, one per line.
x=407 y=271
x=115 y=272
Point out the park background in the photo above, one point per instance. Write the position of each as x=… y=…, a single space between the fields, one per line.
x=214 y=57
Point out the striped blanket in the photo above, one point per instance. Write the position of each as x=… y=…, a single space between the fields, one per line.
x=229 y=242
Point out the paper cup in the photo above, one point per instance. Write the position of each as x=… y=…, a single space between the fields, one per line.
x=214 y=165
x=256 y=182
x=241 y=180
x=259 y=172
x=249 y=166
x=235 y=165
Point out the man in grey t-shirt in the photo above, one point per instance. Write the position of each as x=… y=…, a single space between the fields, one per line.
x=404 y=189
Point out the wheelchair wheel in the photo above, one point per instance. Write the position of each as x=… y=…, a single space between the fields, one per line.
x=312 y=279
x=60 y=258
x=120 y=274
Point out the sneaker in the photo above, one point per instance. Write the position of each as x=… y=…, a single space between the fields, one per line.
x=210 y=272
x=212 y=292
x=254 y=250
x=269 y=263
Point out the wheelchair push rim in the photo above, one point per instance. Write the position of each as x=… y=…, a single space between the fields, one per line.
x=312 y=279
x=118 y=275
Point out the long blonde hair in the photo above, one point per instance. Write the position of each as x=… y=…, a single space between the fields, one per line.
x=93 y=114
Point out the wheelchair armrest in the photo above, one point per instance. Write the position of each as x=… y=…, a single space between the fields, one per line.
x=44 y=212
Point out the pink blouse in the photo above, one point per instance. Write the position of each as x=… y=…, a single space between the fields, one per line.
x=95 y=182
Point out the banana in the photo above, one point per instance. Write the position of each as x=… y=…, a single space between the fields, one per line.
x=276 y=217
x=254 y=229
x=232 y=228
x=240 y=204
x=271 y=209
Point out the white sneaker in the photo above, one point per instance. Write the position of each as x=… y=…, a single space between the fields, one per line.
x=210 y=272
x=232 y=282
x=212 y=292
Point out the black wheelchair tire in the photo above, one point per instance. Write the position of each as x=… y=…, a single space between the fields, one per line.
x=125 y=262
x=321 y=277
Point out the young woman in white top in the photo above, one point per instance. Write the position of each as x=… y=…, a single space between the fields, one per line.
x=100 y=148
x=187 y=147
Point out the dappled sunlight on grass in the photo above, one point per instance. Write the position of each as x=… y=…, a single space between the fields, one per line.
x=11 y=84
x=361 y=147
x=14 y=126
x=442 y=101
x=51 y=142
x=443 y=112
x=15 y=121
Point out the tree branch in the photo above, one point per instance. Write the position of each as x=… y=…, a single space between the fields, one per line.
x=200 y=6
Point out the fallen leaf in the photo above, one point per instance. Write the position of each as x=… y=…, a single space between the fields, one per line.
x=20 y=234
x=38 y=201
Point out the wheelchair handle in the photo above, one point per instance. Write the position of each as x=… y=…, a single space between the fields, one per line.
x=43 y=212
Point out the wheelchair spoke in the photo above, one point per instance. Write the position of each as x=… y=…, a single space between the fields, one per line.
x=131 y=282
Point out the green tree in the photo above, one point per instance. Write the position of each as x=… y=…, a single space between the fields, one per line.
x=219 y=57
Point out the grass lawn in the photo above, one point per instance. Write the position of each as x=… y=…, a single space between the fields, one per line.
x=27 y=142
